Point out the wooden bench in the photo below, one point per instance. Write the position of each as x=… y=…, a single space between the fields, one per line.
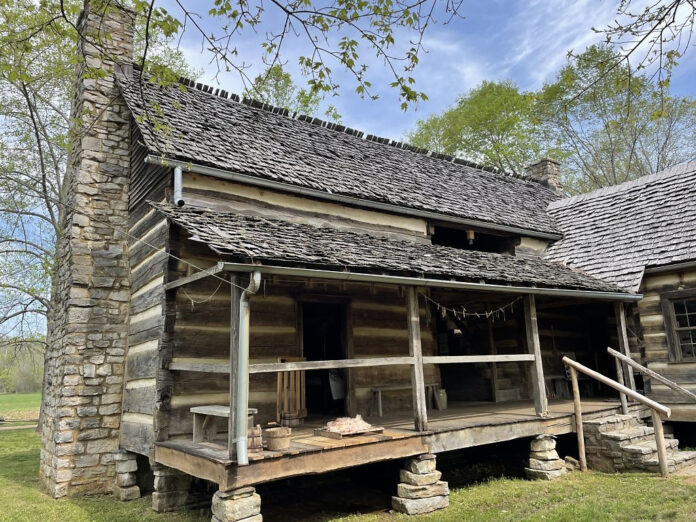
x=430 y=391
x=205 y=420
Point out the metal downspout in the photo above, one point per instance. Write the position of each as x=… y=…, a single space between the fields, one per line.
x=178 y=182
x=242 y=405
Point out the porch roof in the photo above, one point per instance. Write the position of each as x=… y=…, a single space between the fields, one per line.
x=257 y=240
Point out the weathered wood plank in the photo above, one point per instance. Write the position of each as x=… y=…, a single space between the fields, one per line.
x=139 y=400
x=457 y=359
x=620 y=314
x=536 y=371
x=337 y=363
x=415 y=351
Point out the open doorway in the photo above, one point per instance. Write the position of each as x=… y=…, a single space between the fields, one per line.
x=323 y=339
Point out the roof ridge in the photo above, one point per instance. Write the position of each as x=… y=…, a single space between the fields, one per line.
x=675 y=170
x=256 y=104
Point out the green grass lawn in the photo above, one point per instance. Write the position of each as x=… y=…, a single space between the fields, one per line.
x=577 y=497
x=20 y=406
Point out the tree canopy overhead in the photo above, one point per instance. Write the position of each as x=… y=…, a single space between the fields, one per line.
x=606 y=123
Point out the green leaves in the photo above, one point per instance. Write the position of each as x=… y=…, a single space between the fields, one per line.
x=606 y=122
x=275 y=86
x=493 y=124
x=614 y=122
x=335 y=34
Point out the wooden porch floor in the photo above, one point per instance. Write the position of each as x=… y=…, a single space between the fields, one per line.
x=462 y=425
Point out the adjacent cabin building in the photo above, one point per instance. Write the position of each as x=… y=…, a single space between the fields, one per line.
x=641 y=235
x=227 y=264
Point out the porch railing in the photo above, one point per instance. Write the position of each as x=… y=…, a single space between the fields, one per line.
x=646 y=371
x=656 y=410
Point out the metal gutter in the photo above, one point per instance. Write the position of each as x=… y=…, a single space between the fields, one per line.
x=348 y=200
x=670 y=268
x=423 y=282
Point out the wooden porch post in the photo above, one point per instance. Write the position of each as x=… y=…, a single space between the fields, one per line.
x=420 y=413
x=235 y=293
x=620 y=313
x=536 y=368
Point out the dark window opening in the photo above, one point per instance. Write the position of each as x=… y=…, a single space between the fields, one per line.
x=472 y=240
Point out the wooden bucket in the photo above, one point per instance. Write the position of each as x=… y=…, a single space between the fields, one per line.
x=277 y=438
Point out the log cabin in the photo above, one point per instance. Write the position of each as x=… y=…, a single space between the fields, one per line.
x=641 y=235
x=228 y=264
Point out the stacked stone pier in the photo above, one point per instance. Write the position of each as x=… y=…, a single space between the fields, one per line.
x=126 y=466
x=420 y=489
x=239 y=505
x=544 y=462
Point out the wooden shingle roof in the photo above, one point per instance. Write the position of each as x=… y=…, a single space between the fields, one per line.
x=252 y=239
x=615 y=233
x=215 y=130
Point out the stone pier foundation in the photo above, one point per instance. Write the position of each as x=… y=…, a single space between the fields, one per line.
x=544 y=462
x=238 y=505
x=126 y=466
x=172 y=489
x=420 y=489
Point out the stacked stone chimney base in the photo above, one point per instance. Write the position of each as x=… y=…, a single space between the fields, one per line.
x=126 y=466
x=420 y=490
x=544 y=462
x=238 y=505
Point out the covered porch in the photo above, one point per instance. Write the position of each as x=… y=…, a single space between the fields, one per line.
x=393 y=322
x=462 y=425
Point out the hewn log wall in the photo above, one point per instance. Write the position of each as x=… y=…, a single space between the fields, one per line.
x=148 y=235
x=376 y=325
x=654 y=337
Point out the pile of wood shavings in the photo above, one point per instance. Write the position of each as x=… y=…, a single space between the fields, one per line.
x=347 y=425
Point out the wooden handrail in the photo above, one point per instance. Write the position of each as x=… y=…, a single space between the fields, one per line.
x=656 y=409
x=664 y=410
x=654 y=375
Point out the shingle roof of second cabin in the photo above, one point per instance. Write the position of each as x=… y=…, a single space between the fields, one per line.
x=614 y=233
x=212 y=130
x=252 y=239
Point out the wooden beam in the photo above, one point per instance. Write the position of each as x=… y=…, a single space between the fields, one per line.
x=620 y=313
x=533 y=346
x=321 y=462
x=323 y=365
x=193 y=277
x=660 y=443
x=457 y=359
x=577 y=407
x=494 y=366
x=415 y=351
x=235 y=293
x=192 y=364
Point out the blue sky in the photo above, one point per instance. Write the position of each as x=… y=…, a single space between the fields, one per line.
x=524 y=41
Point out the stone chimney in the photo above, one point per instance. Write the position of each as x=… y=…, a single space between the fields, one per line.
x=547 y=172
x=87 y=332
